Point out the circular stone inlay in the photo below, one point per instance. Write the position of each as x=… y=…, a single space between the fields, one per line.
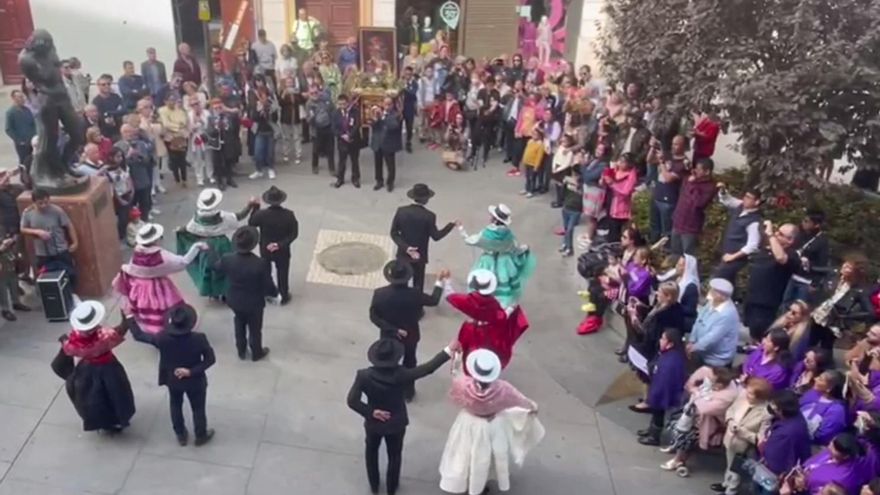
x=352 y=258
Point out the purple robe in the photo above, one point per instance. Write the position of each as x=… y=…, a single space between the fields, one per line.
x=825 y=417
x=787 y=444
x=774 y=372
x=821 y=470
x=668 y=376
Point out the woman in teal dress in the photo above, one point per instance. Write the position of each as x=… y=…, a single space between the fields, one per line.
x=213 y=226
x=331 y=75
x=511 y=262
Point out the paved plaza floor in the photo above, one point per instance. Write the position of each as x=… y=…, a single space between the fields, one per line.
x=282 y=425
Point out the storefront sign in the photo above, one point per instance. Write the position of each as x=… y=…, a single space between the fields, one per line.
x=450 y=13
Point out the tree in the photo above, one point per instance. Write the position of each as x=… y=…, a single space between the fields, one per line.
x=798 y=79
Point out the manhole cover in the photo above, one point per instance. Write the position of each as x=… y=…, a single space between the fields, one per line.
x=352 y=258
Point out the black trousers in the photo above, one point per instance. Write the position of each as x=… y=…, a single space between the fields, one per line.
x=281 y=260
x=222 y=167
x=822 y=336
x=23 y=151
x=758 y=318
x=409 y=361
x=729 y=271
x=122 y=212
x=394 y=447
x=322 y=144
x=349 y=152
x=508 y=128
x=177 y=164
x=418 y=279
x=143 y=199
x=249 y=330
x=196 y=397
x=388 y=159
x=408 y=125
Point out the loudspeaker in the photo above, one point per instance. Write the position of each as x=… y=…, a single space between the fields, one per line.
x=56 y=294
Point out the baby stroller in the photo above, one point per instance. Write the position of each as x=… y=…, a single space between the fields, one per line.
x=591 y=265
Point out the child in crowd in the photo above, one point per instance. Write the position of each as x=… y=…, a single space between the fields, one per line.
x=552 y=135
x=134 y=225
x=123 y=190
x=563 y=165
x=532 y=160
x=572 y=206
x=638 y=275
x=668 y=374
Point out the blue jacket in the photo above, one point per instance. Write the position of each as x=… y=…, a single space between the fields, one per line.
x=20 y=125
x=716 y=333
x=386 y=133
x=132 y=88
x=410 y=98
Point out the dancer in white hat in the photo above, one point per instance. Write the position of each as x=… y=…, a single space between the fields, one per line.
x=496 y=423
x=98 y=385
x=511 y=262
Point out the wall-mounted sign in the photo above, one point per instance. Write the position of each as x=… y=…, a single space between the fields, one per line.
x=450 y=14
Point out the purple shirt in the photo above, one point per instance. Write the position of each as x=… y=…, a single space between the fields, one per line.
x=773 y=371
x=668 y=376
x=825 y=417
x=787 y=444
x=821 y=470
x=638 y=281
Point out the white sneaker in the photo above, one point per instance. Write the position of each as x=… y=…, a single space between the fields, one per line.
x=271 y=174
x=213 y=180
x=161 y=189
x=155 y=211
x=200 y=183
x=256 y=175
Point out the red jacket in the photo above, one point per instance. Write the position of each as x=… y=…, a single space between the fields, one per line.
x=441 y=116
x=490 y=327
x=690 y=212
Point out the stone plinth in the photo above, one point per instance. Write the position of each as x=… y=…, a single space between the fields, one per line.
x=98 y=256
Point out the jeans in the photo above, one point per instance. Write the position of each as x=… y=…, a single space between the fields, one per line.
x=570 y=219
x=680 y=244
x=291 y=140
x=196 y=396
x=249 y=327
x=408 y=125
x=795 y=291
x=264 y=151
x=394 y=447
x=531 y=179
x=23 y=151
x=661 y=219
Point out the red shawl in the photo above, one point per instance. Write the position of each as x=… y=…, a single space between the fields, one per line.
x=490 y=328
x=94 y=347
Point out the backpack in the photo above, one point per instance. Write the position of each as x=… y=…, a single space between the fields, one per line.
x=322 y=114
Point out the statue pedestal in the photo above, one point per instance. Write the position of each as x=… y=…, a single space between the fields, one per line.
x=97 y=256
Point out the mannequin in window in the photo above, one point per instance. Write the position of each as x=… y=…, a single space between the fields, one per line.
x=414 y=31
x=543 y=40
x=427 y=35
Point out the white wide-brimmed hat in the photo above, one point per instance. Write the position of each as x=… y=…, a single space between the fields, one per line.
x=483 y=281
x=149 y=233
x=209 y=199
x=87 y=315
x=483 y=365
x=501 y=212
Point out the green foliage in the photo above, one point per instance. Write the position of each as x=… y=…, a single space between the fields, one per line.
x=851 y=220
x=798 y=79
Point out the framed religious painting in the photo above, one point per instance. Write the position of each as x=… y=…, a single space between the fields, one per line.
x=378 y=50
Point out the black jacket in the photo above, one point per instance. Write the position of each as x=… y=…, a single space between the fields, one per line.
x=400 y=307
x=413 y=226
x=250 y=281
x=354 y=128
x=191 y=351
x=384 y=388
x=276 y=224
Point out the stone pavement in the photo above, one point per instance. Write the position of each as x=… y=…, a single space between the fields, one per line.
x=282 y=425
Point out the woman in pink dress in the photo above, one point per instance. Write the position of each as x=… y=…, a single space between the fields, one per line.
x=496 y=423
x=145 y=282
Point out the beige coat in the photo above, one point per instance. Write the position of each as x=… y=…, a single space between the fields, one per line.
x=751 y=420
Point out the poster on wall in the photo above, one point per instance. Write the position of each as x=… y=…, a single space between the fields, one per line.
x=542 y=31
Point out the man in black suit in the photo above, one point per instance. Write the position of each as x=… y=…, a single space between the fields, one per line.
x=411 y=229
x=385 y=141
x=385 y=415
x=250 y=283
x=397 y=308
x=184 y=356
x=346 y=121
x=278 y=229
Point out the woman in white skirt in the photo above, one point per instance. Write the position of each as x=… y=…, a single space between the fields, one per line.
x=496 y=422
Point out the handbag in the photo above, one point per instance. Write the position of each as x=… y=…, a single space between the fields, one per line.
x=177 y=143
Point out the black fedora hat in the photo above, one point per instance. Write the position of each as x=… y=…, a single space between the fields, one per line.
x=274 y=196
x=245 y=239
x=180 y=319
x=385 y=353
x=420 y=192
x=397 y=272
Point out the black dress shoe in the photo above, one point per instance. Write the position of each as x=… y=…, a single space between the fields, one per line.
x=718 y=487
x=337 y=184
x=390 y=187
x=409 y=147
x=644 y=433
x=183 y=439
x=378 y=186
x=651 y=441
x=356 y=184
x=8 y=315
x=202 y=440
x=242 y=355
x=634 y=408
x=263 y=353
x=285 y=299
x=231 y=183
x=621 y=351
x=21 y=307
x=555 y=205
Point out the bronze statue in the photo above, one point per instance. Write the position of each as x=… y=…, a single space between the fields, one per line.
x=50 y=169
